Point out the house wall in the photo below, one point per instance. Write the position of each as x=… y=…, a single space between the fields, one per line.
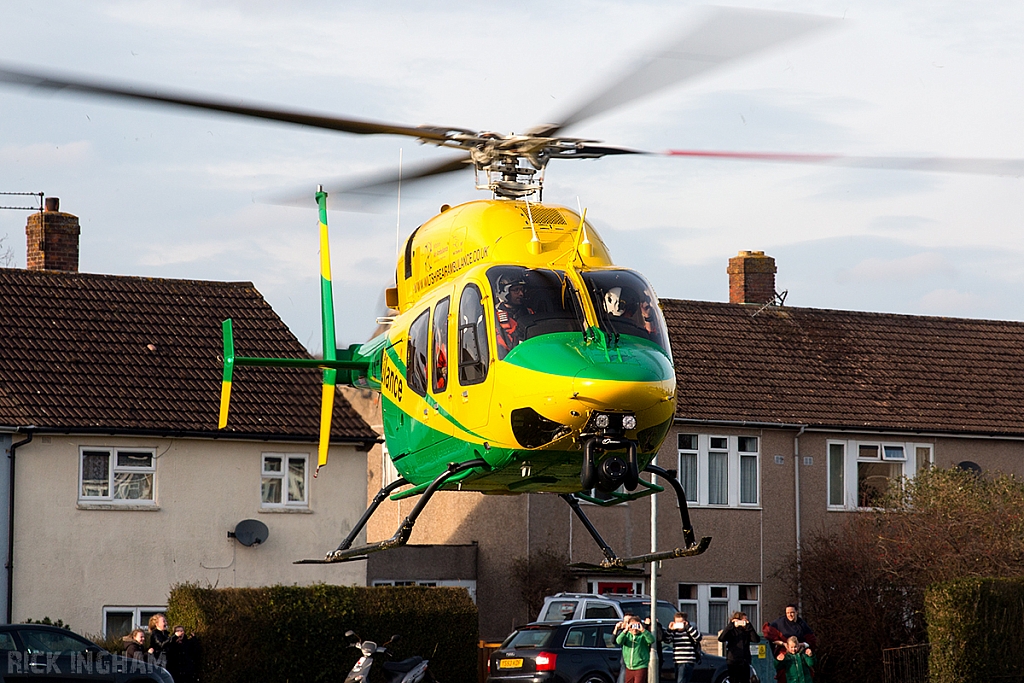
x=132 y=557
x=753 y=545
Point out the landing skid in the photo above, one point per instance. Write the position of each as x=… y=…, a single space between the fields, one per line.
x=612 y=561
x=345 y=553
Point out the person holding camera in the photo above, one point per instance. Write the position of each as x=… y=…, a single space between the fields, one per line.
x=738 y=636
x=686 y=650
x=636 y=643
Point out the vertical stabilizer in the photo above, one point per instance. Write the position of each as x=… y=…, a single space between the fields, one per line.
x=329 y=344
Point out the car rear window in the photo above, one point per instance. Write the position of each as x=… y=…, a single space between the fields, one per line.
x=528 y=638
x=559 y=610
x=590 y=636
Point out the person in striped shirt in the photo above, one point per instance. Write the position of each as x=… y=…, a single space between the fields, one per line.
x=685 y=639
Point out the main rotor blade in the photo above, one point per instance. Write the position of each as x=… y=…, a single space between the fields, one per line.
x=356 y=194
x=41 y=81
x=974 y=166
x=724 y=35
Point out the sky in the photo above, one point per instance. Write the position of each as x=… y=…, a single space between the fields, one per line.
x=169 y=193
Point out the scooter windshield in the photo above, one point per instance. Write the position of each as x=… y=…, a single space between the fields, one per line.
x=626 y=305
x=531 y=302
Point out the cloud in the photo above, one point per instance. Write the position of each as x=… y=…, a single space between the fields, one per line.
x=953 y=302
x=907 y=269
x=45 y=154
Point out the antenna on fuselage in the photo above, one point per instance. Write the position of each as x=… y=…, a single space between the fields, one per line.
x=398 y=219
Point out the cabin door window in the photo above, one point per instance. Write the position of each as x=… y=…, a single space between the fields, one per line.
x=439 y=376
x=473 y=355
x=416 y=356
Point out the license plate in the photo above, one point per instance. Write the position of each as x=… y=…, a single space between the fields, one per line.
x=510 y=663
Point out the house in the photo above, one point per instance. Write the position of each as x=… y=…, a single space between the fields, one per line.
x=788 y=420
x=118 y=484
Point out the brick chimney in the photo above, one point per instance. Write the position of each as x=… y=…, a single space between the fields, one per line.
x=751 y=278
x=52 y=239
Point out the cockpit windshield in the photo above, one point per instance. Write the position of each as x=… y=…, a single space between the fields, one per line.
x=626 y=304
x=532 y=302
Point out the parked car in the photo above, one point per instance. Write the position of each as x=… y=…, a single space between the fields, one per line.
x=565 y=606
x=49 y=653
x=580 y=651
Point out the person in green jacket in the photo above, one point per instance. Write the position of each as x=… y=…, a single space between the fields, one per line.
x=795 y=663
x=636 y=644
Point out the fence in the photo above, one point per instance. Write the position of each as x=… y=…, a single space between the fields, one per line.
x=483 y=658
x=907 y=664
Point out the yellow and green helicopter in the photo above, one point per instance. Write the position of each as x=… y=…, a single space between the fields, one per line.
x=520 y=359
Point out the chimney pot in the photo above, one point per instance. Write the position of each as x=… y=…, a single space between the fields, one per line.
x=53 y=204
x=751 y=278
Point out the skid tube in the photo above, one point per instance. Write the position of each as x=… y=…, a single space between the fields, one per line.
x=612 y=561
x=346 y=554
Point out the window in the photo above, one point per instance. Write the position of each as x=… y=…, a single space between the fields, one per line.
x=416 y=355
x=709 y=605
x=688 y=601
x=688 y=465
x=860 y=480
x=117 y=475
x=473 y=355
x=119 y=621
x=612 y=586
x=531 y=303
x=284 y=480
x=719 y=470
x=440 y=365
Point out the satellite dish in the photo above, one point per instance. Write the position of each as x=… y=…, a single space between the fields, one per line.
x=968 y=466
x=250 y=532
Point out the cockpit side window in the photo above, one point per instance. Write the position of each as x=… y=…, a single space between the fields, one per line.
x=531 y=303
x=416 y=356
x=626 y=304
x=440 y=371
x=473 y=354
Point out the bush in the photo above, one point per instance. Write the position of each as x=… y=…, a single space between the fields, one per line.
x=976 y=627
x=863 y=584
x=297 y=633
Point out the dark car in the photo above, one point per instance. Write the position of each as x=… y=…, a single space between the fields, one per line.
x=580 y=651
x=48 y=653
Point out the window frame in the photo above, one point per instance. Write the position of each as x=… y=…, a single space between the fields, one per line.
x=286 y=458
x=484 y=349
x=733 y=468
x=698 y=605
x=435 y=366
x=846 y=478
x=113 y=469
x=415 y=346
x=137 y=612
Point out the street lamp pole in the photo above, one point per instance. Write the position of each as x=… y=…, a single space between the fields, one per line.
x=655 y=668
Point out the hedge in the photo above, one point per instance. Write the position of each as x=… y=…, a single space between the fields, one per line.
x=976 y=628
x=297 y=633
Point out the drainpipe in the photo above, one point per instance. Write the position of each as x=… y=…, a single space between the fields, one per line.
x=10 y=528
x=796 y=499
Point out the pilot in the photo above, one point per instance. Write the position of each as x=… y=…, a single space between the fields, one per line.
x=650 y=320
x=511 y=312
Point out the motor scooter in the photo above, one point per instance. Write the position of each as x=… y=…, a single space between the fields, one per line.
x=411 y=670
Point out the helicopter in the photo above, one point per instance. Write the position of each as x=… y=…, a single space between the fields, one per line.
x=520 y=358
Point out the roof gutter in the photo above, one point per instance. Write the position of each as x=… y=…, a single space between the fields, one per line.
x=10 y=523
x=363 y=444
x=884 y=431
